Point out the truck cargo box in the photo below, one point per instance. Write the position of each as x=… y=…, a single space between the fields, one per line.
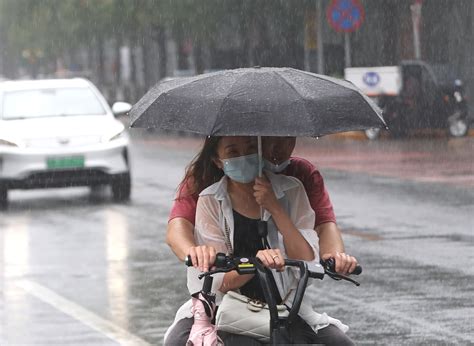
x=375 y=81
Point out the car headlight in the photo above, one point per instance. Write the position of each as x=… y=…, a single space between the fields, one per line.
x=4 y=142
x=114 y=135
x=118 y=135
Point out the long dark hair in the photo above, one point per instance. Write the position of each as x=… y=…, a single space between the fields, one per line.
x=202 y=171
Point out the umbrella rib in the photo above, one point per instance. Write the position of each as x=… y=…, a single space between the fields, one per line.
x=322 y=77
x=359 y=95
x=354 y=90
x=328 y=79
x=195 y=79
x=223 y=101
x=376 y=112
x=294 y=89
x=204 y=77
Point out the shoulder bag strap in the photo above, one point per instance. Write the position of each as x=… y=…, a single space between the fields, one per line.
x=228 y=243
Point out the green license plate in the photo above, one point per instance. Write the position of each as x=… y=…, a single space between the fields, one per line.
x=65 y=162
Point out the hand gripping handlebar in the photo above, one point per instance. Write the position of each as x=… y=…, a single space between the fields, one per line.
x=244 y=265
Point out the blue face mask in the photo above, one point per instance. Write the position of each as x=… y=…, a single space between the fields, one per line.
x=275 y=168
x=242 y=169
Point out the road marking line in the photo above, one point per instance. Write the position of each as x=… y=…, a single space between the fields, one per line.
x=81 y=314
x=430 y=327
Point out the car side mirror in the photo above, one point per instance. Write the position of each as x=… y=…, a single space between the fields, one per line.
x=121 y=108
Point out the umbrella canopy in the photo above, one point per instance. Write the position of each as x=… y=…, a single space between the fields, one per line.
x=257 y=102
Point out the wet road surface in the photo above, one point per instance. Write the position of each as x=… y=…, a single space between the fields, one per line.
x=79 y=269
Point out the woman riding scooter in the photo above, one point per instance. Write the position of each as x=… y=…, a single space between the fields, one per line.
x=234 y=203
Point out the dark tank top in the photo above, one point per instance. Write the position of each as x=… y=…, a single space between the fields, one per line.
x=247 y=243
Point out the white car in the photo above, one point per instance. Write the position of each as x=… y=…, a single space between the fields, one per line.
x=61 y=133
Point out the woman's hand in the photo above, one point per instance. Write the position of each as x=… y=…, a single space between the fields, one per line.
x=272 y=258
x=202 y=256
x=264 y=195
x=345 y=264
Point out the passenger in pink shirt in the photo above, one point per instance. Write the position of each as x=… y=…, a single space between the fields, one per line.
x=277 y=153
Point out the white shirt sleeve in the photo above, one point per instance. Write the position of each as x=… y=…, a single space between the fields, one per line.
x=207 y=231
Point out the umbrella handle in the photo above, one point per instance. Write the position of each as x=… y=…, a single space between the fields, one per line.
x=260 y=163
x=260 y=166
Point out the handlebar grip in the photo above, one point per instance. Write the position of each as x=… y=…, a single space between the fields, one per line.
x=220 y=260
x=188 y=261
x=357 y=270
x=331 y=265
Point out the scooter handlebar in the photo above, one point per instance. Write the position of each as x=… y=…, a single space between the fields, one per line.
x=330 y=265
x=357 y=270
x=221 y=260
x=188 y=261
x=226 y=261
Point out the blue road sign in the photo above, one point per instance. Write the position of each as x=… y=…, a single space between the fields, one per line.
x=345 y=15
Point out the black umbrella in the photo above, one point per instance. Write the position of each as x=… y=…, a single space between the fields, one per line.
x=257 y=102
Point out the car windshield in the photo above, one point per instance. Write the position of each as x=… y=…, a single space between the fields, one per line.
x=445 y=74
x=23 y=104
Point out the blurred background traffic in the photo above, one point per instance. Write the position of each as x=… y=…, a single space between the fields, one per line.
x=125 y=46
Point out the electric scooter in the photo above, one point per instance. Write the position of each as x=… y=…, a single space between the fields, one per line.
x=279 y=325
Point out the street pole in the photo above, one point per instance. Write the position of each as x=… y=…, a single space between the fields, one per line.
x=319 y=40
x=416 y=17
x=306 y=58
x=308 y=37
x=347 y=49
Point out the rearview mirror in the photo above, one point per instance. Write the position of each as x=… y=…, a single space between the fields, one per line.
x=121 y=108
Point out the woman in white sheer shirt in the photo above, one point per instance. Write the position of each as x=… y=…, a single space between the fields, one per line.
x=226 y=219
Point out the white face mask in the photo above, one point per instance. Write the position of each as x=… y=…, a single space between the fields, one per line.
x=242 y=169
x=276 y=168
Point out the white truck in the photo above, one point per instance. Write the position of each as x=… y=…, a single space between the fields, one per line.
x=375 y=82
x=414 y=95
